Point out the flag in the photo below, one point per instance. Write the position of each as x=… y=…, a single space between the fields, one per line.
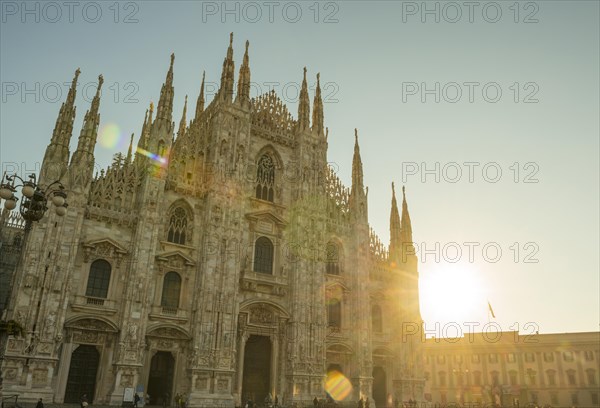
x=491 y=310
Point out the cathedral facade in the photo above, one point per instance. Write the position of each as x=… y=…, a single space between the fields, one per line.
x=221 y=259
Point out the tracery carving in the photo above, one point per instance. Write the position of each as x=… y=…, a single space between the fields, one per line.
x=179 y=230
x=270 y=113
x=113 y=192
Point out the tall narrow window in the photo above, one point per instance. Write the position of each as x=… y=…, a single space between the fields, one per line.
x=98 y=279
x=178 y=226
x=171 y=291
x=333 y=258
x=571 y=377
x=334 y=314
x=591 y=376
x=376 y=319
x=263 y=255
x=265 y=178
x=551 y=377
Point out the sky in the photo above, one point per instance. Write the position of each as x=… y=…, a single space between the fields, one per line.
x=488 y=113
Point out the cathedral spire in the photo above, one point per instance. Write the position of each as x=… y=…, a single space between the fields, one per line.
x=304 y=106
x=63 y=128
x=317 y=114
x=394 y=228
x=183 y=122
x=200 y=102
x=406 y=230
x=164 y=110
x=144 y=135
x=243 y=91
x=56 y=158
x=129 y=151
x=357 y=169
x=226 y=89
x=82 y=162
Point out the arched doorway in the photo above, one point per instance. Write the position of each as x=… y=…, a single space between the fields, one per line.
x=82 y=374
x=160 y=381
x=379 y=387
x=257 y=369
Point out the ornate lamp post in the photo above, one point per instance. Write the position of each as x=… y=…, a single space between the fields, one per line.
x=35 y=199
x=34 y=205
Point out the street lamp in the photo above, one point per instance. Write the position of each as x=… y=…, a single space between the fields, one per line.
x=35 y=199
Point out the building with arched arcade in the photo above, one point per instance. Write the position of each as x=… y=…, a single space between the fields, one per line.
x=220 y=259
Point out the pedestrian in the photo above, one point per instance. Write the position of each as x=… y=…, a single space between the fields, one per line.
x=367 y=403
x=39 y=404
x=316 y=402
x=83 y=401
x=136 y=400
x=361 y=403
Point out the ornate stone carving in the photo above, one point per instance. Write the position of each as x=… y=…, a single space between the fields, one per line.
x=261 y=315
x=39 y=377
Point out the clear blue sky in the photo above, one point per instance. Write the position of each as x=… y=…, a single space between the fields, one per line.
x=379 y=63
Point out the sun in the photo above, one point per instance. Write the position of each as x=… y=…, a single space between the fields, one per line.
x=452 y=293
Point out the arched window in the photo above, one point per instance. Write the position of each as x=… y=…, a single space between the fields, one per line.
x=334 y=314
x=171 y=290
x=376 y=319
x=333 y=258
x=263 y=255
x=98 y=279
x=179 y=231
x=265 y=178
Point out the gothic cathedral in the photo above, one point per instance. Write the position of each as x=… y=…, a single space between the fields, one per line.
x=222 y=259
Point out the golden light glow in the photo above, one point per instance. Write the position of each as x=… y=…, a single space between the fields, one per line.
x=452 y=293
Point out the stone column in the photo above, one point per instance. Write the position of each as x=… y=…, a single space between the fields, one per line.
x=63 y=371
x=274 y=365
x=240 y=366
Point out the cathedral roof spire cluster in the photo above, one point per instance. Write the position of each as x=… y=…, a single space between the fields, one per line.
x=401 y=243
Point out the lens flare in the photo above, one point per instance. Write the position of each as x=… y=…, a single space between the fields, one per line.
x=153 y=156
x=110 y=136
x=337 y=385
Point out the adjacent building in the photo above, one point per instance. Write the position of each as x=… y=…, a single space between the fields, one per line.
x=513 y=369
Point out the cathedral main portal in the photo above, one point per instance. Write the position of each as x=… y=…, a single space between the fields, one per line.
x=257 y=369
x=82 y=374
x=160 y=382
